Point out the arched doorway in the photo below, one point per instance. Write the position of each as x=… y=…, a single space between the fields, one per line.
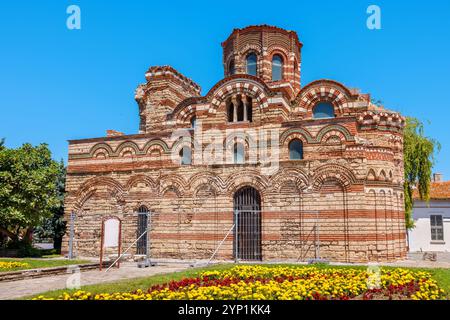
x=142 y=225
x=247 y=217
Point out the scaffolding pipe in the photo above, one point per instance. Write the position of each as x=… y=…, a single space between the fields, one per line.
x=220 y=244
x=126 y=250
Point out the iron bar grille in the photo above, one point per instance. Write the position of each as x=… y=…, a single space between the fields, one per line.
x=247 y=233
x=142 y=224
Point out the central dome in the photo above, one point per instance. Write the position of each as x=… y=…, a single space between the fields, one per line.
x=267 y=52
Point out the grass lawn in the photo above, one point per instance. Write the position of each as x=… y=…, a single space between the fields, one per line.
x=138 y=283
x=39 y=263
x=442 y=276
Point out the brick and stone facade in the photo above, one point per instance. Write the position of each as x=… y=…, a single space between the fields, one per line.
x=348 y=184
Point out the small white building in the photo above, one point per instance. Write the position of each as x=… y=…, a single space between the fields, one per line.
x=432 y=220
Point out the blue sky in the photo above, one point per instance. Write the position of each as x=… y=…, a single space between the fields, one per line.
x=59 y=84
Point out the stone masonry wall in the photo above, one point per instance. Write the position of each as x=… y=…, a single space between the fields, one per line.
x=346 y=192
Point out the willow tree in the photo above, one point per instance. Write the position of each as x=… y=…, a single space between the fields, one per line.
x=419 y=156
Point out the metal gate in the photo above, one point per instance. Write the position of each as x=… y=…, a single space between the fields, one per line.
x=247 y=233
x=142 y=224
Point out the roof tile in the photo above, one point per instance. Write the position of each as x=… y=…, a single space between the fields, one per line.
x=438 y=191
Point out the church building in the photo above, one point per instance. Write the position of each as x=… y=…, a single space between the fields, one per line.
x=258 y=168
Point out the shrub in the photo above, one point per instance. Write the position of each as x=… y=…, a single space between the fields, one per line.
x=25 y=249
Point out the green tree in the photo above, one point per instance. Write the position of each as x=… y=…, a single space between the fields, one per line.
x=28 y=191
x=54 y=227
x=419 y=152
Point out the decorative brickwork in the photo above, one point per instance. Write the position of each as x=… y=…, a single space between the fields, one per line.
x=346 y=190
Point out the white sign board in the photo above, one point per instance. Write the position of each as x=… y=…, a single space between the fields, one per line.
x=111 y=233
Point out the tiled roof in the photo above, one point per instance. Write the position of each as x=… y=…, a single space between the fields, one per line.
x=438 y=191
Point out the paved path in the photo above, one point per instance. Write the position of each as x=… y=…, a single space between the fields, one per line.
x=22 y=288
x=403 y=264
x=419 y=264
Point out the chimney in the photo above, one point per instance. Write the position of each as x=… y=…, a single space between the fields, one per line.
x=437 y=177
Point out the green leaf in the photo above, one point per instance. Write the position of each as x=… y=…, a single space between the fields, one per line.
x=419 y=158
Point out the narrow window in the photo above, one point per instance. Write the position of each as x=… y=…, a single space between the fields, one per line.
x=231 y=68
x=238 y=153
x=296 y=150
x=323 y=110
x=437 y=228
x=252 y=68
x=240 y=112
x=185 y=156
x=230 y=112
x=193 y=122
x=249 y=110
x=277 y=68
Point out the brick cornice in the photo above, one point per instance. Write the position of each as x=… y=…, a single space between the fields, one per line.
x=262 y=28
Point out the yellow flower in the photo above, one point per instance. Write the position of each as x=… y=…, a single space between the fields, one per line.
x=281 y=282
x=12 y=265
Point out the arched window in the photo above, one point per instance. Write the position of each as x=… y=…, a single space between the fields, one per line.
x=296 y=150
x=252 y=68
x=240 y=111
x=238 y=153
x=323 y=110
x=230 y=112
x=143 y=210
x=193 y=122
x=231 y=68
x=277 y=68
x=249 y=110
x=185 y=156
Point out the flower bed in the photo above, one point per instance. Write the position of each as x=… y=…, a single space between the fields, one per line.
x=12 y=265
x=285 y=283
